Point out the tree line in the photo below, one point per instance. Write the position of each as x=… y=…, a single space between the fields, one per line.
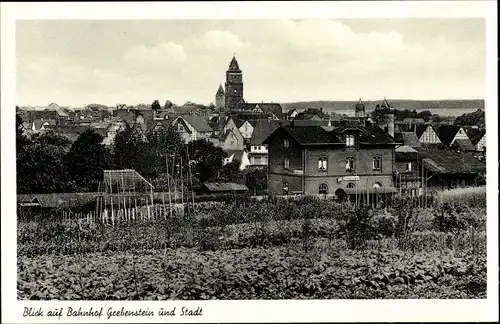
x=48 y=162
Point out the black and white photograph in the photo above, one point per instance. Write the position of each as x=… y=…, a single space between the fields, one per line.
x=251 y=159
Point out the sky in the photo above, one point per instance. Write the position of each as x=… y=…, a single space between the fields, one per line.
x=78 y=62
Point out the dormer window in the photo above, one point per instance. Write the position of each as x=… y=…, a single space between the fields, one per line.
x=349 y=140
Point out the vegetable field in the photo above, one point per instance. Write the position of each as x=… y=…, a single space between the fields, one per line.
x=270 y=249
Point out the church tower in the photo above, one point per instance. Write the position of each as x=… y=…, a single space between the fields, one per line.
x=220 y=98
x=234 y=85
x=360 y=109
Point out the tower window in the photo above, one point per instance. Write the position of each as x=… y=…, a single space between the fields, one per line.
x=408 y=166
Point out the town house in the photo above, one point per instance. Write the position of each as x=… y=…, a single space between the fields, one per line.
x=329 y=160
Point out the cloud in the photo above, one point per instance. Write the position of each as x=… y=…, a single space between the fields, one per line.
x=156 y=54
x=281 y=60
x=221 y=41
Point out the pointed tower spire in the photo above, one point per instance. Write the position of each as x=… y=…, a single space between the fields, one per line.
x=359 y=109
x=385 y=104
x=233 y=66
x=220 y=91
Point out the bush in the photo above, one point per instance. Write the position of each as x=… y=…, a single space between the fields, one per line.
x=448 y=217
x=385 y=224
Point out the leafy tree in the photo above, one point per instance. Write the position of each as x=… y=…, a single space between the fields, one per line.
x=206 y=158
x=21 y=139
x=168 y=104
x=155 y=105
x=40 y=167
x=256 y=181
x=86 y=160
x=231 y=172
x=51 y=138
x=132 y=151
x=475 y=118
x=161 y=144
x=425 y=115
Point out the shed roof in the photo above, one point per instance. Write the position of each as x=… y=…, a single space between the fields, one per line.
x=451 y=162
x=55 y=200
x=224 y=186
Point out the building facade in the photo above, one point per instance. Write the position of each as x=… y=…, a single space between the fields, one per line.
x=315 y=160
x=427 y=134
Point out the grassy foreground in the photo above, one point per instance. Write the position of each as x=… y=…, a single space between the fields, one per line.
x=305 y=249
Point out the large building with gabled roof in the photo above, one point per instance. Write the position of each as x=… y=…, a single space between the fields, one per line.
x=330 y=160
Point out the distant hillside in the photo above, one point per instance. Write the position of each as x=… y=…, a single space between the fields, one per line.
x=397 y=103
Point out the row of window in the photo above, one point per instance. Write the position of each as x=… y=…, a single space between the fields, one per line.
x=323 y=188
x=350 y=164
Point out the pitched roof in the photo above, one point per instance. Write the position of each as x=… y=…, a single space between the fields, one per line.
x=407 y=138
x=368 y=134
x=197 y=122
x=463 y=144
x=406 y=149
x=310 y=135
x=224 y=186
x=406 y=153
x=267 y=108
x=447 y=133
x=451 y=162
x=421 y=128
x=220 y=91
x=233 y=66
x=262 y=130
x=475 y=134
